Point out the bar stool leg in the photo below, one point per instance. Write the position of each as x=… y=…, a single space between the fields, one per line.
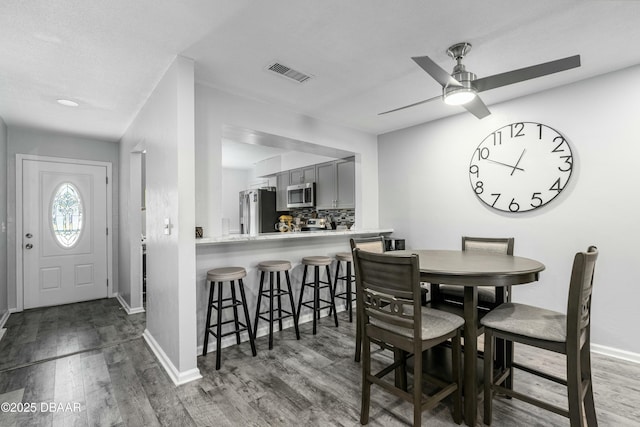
x=234 y=302
x=293 y=307
x=316 y=295
x=349 y=293
x=304 y=278
x=255 y=322
x=279 y=302
x=219 y=328
x=270 y=310
x=335 y=281
x=332 y=296
x=208 y=325
x=246 y=316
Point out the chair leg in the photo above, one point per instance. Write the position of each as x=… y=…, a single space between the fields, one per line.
x=358 y=337
x=417 y=389
x=279 y=301
x=574 y=386
x=456 y=356
x=335 y=284
x=589 y=404
x=488 y=376
x=293 y=307
x=208 y=324
x=366 y=384
x=316 y=296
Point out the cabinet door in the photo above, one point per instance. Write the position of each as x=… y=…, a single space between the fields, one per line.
x=282 y=181
x=325 y=185
x=303 y=175
x=346 y=183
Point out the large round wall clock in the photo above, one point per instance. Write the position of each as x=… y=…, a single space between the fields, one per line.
x=521 y=167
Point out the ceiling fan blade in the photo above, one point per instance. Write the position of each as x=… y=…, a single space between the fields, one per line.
x=527 y=73
x=412 y=105
x=435 y=71
x=477 y=108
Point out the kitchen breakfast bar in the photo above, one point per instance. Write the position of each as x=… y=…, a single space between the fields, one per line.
x=241 y=250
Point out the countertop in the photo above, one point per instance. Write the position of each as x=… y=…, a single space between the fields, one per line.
x=243 y=238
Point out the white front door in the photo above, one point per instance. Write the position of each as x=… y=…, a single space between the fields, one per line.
x=64 y=225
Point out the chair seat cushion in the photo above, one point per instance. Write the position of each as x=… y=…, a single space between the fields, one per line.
x=529 y=321
x=485 y=293
x=435 y=323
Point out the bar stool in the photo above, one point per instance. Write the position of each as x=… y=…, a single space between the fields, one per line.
x=219 y=276
x=316 y=262
x=349 y=279
x=275 y=267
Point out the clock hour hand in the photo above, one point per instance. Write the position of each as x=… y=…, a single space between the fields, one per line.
x=504 y=164
x=518 y=162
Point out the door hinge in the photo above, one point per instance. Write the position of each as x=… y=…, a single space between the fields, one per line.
x=107 y=179
x=107 y=231
x=107 y=283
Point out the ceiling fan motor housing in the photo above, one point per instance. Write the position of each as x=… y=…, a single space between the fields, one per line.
x=465 y=78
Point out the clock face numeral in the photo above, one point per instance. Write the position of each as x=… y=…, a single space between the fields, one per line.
x=521 y=167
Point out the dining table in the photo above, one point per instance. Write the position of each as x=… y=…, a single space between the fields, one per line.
x=471 y=269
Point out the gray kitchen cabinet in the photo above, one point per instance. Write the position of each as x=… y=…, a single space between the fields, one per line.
x=302 y=175
x=335 y=184
x=282 y=181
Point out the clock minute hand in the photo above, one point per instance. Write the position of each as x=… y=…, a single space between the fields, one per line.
x=504 y=164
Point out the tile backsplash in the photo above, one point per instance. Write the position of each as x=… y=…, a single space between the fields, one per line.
x=340 y=216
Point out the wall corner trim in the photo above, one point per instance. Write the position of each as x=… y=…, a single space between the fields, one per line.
x=126 y=307
x=176 y=376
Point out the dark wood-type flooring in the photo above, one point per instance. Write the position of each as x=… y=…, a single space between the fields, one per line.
x=92 y=355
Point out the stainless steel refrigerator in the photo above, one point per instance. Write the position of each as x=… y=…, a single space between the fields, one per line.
x=258 y=211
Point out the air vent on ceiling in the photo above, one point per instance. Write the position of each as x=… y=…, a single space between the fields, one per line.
x=288 y=72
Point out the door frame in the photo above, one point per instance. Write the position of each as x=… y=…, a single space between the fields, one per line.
x=19 y=223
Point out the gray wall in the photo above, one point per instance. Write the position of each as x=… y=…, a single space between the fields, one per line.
x=600 y=205
x=44 y=143
x=3 y=222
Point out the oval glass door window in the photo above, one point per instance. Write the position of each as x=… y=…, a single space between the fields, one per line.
x=66 y=215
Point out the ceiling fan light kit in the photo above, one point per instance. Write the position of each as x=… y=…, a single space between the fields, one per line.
x=461 y=87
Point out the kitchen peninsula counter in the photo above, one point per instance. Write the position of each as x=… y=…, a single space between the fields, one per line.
x=247 y=251
x=243 y=238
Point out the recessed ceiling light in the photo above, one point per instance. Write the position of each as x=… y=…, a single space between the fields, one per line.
x=67 y=103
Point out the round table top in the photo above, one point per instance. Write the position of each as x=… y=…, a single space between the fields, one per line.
x=473 y=268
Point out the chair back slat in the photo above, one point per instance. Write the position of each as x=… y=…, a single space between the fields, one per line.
x=496 y=245
x=368 y=244
x=580 y=291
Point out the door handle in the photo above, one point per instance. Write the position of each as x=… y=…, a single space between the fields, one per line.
x=28 y=235
x=28 y=246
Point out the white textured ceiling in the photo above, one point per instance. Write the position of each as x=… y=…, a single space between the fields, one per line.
x=109 y=55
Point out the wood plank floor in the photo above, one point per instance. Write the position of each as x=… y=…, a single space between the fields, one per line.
x=91 y=355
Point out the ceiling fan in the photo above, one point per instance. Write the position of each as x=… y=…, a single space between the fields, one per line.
x=461 y=87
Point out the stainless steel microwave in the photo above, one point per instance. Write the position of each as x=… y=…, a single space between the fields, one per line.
x=301 y=195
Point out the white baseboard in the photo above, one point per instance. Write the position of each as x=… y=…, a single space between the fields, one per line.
x=617 y=353
x=126 y=307
x=176 y=376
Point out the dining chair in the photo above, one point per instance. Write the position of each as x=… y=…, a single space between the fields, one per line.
x=389 y=305
x=567 y=334
x=369 y=244
x=488 y=296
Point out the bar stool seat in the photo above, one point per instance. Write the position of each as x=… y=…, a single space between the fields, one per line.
x=275 y=266
x=316 y=262
x=348 y=294
x=218 y=276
